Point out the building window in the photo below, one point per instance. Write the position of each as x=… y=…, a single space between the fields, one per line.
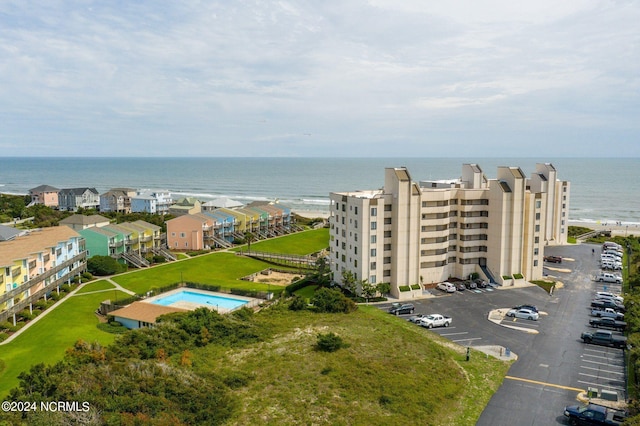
x=538 y=204
x=535 y=251
x=387 y=247
x=374 y=226
x=373 y=265
x=374 y=239
x=387 y=260
x=343 y=257
x=355 y=223
x=537 y=228
x=355 y=210
x=374 y=211
x=387 y=221
x=355 y=250
x=183 y=235
x=536 y=240
x=537 y=216
x=387 y=207
x=387 y=234
x=535 y=263
x=374 y=252
x=372 y=279
x=355 y=263
x=386 y=273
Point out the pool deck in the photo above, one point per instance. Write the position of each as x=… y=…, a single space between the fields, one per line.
x=251 y=302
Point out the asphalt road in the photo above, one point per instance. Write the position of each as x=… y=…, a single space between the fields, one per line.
x=553 y=364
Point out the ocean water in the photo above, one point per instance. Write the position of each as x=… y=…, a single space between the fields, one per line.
x=602 y=189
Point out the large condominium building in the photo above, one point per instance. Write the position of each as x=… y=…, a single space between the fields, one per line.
x=421 y=233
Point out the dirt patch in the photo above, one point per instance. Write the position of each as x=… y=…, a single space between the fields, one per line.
x=276 y=278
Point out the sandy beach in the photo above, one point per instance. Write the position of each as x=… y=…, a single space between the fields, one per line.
x=617 y=229
x=311 y=214
x=620 y=228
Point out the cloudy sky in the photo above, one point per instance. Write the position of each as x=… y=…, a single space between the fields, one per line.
x=320 y=78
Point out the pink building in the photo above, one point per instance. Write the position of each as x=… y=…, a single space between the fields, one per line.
x=189 y=232
x=45 y=195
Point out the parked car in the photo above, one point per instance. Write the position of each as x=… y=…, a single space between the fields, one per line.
x=470 y=285
x=607 y=322
x=607 y=313
x=460 y=286
x=605 y=338
x=480 y=283
x=530 y=307
x=603 y=304
x=435 y=320
x=593 y=414
x=553 y=259
x=609 y=294
x=405 y=308
x=609 y=278
x=523 y=314
x=416 y=318
x=446 y=286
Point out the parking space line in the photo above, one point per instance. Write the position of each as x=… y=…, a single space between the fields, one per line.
x=467 y=340
x=602 y=385
x=595 y=358
x=599 y=377
x=453 y=334
x=602 y=371
x=544 y=383
x=604 y=361
x=608 y=364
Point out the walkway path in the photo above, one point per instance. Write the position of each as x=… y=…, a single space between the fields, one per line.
x=59 y=302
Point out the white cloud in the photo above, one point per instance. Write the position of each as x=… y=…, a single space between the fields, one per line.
x=348 y=71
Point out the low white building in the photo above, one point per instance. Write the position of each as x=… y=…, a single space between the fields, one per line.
x=422 y=233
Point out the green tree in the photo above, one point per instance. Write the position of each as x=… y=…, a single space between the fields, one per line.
x=104 y=265
x=349 y=282
x=383 y=288
x=332 y=300
x=368 y=290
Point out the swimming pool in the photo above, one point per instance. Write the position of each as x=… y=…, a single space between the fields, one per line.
x=199 y=298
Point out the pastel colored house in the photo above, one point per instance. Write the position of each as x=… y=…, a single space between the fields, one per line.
x=189 y=232
x=79 y=222
x=186 y=205
x=72 y=199
x=117 y=200
x=45 y=195
x=33 y=265
x=151 y=202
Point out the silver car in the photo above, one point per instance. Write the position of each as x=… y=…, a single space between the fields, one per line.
x=523 y=314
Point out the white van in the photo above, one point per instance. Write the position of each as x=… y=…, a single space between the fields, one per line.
x=607 y=264
x=607 y=277
x=607 y=256
x=612 y=245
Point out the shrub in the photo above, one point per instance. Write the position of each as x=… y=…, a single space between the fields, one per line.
x=3 y=337
x=104 y=265
x=331 y=300
x=237 y=380
x=518 y=276
x=112 y=327
x=330 y=342
x=297 y=303
x=404 y=288
x=415 y=286
x=506 y=277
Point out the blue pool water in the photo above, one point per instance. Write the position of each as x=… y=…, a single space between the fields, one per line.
x=200 y=298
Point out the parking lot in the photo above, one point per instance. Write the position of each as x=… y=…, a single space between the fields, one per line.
x=553 y=365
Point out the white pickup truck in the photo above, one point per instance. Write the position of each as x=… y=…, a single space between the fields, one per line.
x=435 y=320
x=607 y=312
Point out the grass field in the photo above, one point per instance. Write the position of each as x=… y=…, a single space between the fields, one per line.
x=392 y=373
x=46 y=340
x=96 y=286
x=223 y=268
x=301 y=243
x=74 y=319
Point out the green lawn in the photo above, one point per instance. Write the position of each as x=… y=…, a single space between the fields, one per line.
x=221 y=268
x=301 y=243
x=47 y=340
x=306 y=292
x=95 y=286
